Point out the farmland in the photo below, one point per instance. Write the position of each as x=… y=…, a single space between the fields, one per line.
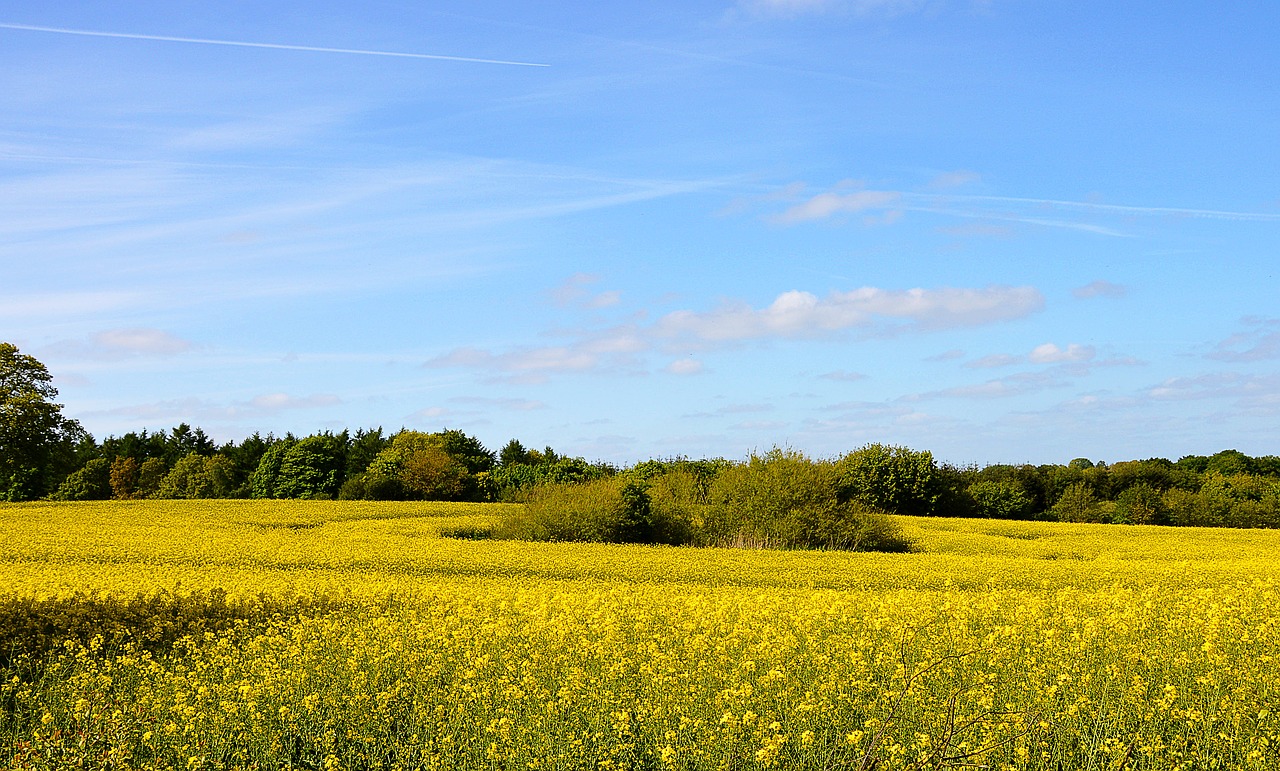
x=352 y=635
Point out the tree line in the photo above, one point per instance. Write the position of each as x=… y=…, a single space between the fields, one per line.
x=45 y=455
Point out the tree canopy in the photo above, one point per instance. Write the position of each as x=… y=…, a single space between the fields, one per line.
x=36 y=441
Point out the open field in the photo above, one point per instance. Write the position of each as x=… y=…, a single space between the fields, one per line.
x=351 y=635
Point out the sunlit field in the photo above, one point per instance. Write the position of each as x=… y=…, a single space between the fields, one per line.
x=273 y=634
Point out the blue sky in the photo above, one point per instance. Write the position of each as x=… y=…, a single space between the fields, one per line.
x=1001 y=231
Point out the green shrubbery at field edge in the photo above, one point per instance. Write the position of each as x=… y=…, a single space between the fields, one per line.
x=780 y=499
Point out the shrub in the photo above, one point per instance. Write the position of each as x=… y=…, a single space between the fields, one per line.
x=783 y=499
x=610 y=510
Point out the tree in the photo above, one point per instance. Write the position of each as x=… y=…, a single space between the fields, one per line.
x=263 y=480
x=90 y=483
x=36 y=441
x=896 y=480
x=1004 y=499
x=198 y=476
x=513 y=453
x=124 y=478
x=312 y=467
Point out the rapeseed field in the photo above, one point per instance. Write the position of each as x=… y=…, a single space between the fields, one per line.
x=307 y=635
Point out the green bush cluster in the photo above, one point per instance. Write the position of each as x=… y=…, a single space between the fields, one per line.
x=1228 y=489
x=780 y=499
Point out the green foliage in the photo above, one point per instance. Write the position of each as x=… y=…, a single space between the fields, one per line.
x=514 y=482
x=782 y=499
x=888 y=478
x=1237 y=500
x=150 y=474
x=513 y=453
x=90 y=483
x=1141 y=504
x=265 y=478
x=37 y=444
x=444 y=466
x=198 y=476
x=363 y=449
x=1077 y=504
x=311 y=468
x=607 y=510
x=1003 y=499
x=371 y=487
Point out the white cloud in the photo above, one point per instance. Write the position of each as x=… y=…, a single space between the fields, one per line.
x=518 y=405
x=994 y=360
x=953 y=179
x=574 y=291
x=684 y=367
x=1252 y=389
x=1099 y=289
x=141 y=341
x=826 y=205
x=843 y=376
x=1259 y=343
x=282 y=401
x=198 y=409
x=531 y=361
x=1050 y=353
x=797 y=314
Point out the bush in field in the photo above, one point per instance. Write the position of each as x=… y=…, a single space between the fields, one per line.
x=783 y=499
x=611 y=510
x=893 y=479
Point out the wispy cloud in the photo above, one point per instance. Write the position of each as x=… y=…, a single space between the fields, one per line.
x=195 y=409
x=872 y=311
x=1099 y=289
x=684 y=367
x=250 y=44
x=1050 y=353
x=886 y=206
x=500 y=403
x=1247 y=389
x=576 y=291
x=843 y=376
x=793 y=8
x=868 y=312
x=1258 y=343
x=826 y=205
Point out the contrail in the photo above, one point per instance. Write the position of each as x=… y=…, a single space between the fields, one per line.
x=280 y=46
x=1105 y=207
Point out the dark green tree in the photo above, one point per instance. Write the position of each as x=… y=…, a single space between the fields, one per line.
x=37 y=444
x=313 y=467
x=92 y=482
